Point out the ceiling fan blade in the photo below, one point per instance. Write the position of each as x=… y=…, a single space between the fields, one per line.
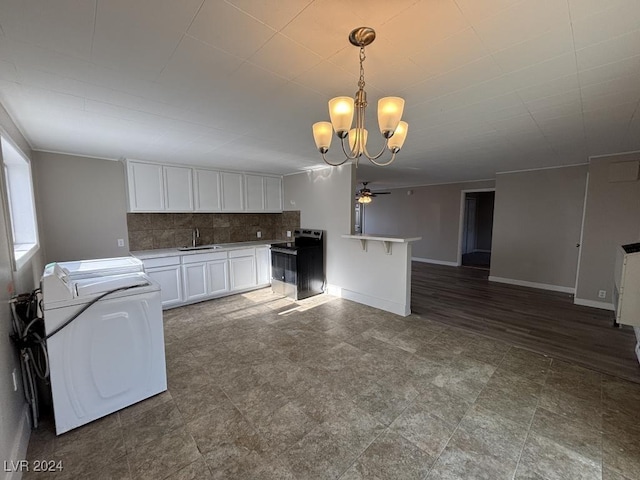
x=382 y=193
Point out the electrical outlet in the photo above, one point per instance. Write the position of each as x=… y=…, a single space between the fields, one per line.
x=288 y=233
x=602 y=294
x=259 y=234
x=15 y=380
x=121 y=242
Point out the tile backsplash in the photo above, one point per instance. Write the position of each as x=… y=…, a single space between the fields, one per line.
x=168 y=230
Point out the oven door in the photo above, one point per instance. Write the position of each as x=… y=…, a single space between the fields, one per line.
x=284 y=279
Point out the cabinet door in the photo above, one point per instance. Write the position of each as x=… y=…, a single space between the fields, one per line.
x=218 y=277
x=232 y=192
x=273 y=194
x=194 y=277
x=170 y=280
x=254 y=188
x=263 y=265
x=178 y=185
x=146 y=188
x=207 y=190
x=242 y=272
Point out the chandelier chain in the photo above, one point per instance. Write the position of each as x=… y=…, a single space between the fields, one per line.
x=362 y=59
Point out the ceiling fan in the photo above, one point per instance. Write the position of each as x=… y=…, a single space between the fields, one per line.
x=364 y=195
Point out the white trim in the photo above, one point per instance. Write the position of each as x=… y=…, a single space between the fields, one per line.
x=375 y=302
x=334 y=290
x=69 y=154
x=524 y=283
x=584 y=214
x=614 y=154
x=593 y=304
x=543 y=168
x=400 y=187
x=19 y=449
x=435 y=262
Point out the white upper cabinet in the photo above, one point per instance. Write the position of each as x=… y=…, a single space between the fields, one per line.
x=153 y=187
x=178 y=189
x=254 y=188
x=207 y=190
x=264 y=194
x=232 y=192
x=146 y=187
x=273 y=194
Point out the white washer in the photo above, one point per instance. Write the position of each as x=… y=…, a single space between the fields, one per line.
x=112 y=355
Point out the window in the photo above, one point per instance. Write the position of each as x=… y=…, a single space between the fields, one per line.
x=20 y=202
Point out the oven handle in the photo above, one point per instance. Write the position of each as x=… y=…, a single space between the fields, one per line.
x=283 y=250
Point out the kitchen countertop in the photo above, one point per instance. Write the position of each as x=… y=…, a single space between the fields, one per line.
x=174 y=252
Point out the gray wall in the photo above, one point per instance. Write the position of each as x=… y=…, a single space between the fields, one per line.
x=611 y=218
x=431 y=212
x=82 y=205
x=14 y=429
x=537 y=222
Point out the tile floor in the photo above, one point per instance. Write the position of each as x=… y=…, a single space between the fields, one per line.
x=261 y=387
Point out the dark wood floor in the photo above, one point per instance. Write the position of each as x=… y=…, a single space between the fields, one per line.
x=542 y=321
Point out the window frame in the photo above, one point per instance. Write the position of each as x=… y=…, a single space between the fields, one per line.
x=15 y=164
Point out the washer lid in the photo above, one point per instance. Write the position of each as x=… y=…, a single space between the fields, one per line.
x=97 y=285
x=100 y=266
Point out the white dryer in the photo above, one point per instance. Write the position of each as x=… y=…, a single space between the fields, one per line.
x=112 y=354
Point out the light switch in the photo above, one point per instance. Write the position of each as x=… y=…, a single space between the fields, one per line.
x=288 y=233
x=121 y=242
x=259 y=234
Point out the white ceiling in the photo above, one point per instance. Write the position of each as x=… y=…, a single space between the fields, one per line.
x=490 y=86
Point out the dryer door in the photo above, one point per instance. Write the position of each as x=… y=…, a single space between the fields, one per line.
x=108 y=358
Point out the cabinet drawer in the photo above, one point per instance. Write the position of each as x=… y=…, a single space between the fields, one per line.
x=242 y=252
x=203 y=257
x=160 y=262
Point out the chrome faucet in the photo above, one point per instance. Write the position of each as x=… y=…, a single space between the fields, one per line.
x=195 y=234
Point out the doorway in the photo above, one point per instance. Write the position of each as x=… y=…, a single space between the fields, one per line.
x=477 y=229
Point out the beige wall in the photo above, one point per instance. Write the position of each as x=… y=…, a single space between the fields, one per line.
x=611 y=219
x=537 y=222
x=82 y=205
x=324 y=198
x=14 y=429
x=431 y=212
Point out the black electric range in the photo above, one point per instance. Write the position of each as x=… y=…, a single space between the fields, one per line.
x=297 y=268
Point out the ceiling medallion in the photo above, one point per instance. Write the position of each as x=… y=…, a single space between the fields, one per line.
x=341 y=112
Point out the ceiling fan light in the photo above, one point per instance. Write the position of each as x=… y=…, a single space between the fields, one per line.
x=389 y=114
x=341 y=113
x=399 y=136
x=357 y=149
x=364 y=199
x=322 y=135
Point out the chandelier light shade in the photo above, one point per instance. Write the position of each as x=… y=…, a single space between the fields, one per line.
x=342 y=111
x=364 y=199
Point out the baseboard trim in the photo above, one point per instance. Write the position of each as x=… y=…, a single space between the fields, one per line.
x=523 y=283
x=375 y=302
x=334 y=290
x=435 y=262
x=19 y=449
x=593 y=304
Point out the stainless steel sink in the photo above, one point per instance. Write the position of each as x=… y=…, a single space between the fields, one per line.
x=200 y=247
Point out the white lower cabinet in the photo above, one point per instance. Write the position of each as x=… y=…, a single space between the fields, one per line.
x=218 y=277
x=194 y=277
x=166 y=272
x=242 y=269
x=263 y=265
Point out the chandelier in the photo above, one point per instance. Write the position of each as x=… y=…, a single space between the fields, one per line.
x=341 y=112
